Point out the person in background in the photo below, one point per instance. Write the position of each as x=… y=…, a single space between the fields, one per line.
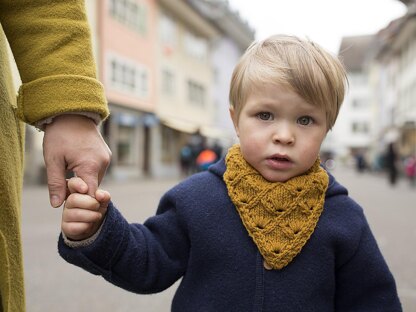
x=206 y=158
x=60 y=94
x=360 y=162
x=391 y=163
x=265 y=229
x=410 y=169
x=186 y=159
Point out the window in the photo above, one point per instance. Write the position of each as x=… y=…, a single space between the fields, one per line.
x=359 y=103
x=167 y=29
x=143 y=81
x=127 y=76
x=130 y=13
x=360 y=127
x=125 y=145
x=168 y=82
x=196 y=93
x=196 y=47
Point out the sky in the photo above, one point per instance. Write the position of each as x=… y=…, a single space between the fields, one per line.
x=323 y=21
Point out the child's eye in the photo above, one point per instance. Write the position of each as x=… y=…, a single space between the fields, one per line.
x=305 y=120
x=264 y=116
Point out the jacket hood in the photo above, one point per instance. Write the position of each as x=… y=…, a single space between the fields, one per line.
x=334 y=188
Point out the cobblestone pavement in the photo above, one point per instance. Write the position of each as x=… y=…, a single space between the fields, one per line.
x=54 y=285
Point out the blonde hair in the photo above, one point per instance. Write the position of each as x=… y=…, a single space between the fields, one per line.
x=300 y=65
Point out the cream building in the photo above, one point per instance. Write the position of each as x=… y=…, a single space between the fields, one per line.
x=404 y=45
x=395 y=88
x=235 y=37
x=352 y=133
x=184 y=80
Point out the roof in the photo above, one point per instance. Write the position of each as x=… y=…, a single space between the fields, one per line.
x=229 y=22
x=407 y=2
x=355 y=50
x=390 y=34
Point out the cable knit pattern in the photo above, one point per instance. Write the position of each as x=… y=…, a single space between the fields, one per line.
x=280 y=217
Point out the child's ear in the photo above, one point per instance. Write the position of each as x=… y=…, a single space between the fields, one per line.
x=234 y=118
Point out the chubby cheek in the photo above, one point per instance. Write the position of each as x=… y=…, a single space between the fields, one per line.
x=310 y=151
x=251 y=146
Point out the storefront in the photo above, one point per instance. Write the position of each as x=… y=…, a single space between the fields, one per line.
x=128 y=134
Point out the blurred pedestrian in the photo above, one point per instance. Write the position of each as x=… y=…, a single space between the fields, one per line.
x=50 y=42
x=206 y=158
x=197 y=143
x=186 y=159
x=391 y=163
x=360 y=162
x=264 y=229
x=410 y=169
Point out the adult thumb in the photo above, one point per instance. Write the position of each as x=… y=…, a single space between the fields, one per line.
x=56 y=183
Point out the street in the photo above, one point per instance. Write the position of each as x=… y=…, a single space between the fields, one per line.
x=54 y=285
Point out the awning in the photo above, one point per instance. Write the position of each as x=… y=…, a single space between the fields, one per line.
x=180 y=125
x=218 y=133
x=186 y=126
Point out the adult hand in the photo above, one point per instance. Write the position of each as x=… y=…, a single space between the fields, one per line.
x=73 y=142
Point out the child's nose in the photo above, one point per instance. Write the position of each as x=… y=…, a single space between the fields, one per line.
x=283 y=135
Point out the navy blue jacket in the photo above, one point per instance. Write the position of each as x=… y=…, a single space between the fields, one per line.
x=197 y=235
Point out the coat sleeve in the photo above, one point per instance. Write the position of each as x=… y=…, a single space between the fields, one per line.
x=51 y=44
x=142 y=258
x=364 y=281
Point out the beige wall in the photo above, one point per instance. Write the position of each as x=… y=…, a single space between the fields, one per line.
x=173 y=56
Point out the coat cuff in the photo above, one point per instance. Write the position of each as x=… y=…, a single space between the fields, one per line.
x=51 y=96
x=41 y=124
x=105 y=247
x=82 y=243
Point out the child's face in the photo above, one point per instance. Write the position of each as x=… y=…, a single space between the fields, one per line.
x=280 y=133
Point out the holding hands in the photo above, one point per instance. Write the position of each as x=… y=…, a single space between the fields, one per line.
x=73 y=142
x=83 y=214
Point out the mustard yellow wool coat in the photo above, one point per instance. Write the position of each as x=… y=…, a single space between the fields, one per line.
x=51 y=44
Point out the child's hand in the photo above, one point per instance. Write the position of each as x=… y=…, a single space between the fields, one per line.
x=82 y=214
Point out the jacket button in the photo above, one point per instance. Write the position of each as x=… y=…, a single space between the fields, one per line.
x=266 y=265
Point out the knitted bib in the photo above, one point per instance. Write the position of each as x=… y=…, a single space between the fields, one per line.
x=280 y=217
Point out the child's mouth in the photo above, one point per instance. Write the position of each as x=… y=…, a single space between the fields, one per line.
x=279 y=162
x=279 y=159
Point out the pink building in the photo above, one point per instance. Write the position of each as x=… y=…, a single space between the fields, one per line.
x=126 y=41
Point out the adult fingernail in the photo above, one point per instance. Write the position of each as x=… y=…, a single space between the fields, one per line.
x=55 y=201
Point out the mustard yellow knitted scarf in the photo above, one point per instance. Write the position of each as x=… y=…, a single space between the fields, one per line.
x=280 y=217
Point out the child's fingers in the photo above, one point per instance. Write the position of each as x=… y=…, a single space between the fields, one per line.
x=77 y=230
x=77 y=185
x=103 y=197
x=82 y=201
x=80 y=223
x=81 y=215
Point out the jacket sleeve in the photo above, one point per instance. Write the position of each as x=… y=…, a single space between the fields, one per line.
x=142 y=258
x=364 y=282
x=51 y=44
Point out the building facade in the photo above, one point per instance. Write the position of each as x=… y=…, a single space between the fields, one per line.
x=380 y=106
x=352 y=133
x=165 y=67
x=235 y=35
x=184 y=81
x=126 y=42
x=395 y=87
